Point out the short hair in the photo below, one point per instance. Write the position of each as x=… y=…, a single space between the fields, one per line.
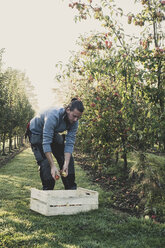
x=76 y=104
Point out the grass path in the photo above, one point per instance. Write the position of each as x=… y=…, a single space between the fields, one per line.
x=102 y=228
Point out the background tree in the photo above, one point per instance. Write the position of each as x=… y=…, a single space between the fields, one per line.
x=16 y=109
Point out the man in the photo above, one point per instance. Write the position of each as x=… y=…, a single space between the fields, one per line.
x=45 y=140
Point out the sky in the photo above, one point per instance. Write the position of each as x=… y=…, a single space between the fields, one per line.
x=36 y=34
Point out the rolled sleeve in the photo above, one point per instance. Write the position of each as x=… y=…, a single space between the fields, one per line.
x=70 y=138
x=48 y=132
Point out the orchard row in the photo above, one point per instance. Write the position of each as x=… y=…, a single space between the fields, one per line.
x=120 y=79
x=15 y=108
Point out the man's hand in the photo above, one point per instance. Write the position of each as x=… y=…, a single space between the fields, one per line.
x=55 y=173
x=64 y=172
x=66 y=164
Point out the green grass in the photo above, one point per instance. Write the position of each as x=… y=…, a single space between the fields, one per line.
x=102 y=228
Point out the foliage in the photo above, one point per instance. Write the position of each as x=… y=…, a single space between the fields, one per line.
x=149 y=171
x=120 y=81
x=15 y=108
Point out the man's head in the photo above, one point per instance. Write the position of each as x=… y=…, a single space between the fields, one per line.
x=74 y=110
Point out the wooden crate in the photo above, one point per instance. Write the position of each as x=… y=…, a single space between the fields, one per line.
x=63 y=202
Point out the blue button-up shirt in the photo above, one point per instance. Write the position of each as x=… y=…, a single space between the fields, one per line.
x=50 y=122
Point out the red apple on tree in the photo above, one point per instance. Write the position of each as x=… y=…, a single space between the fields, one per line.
x=93 y=104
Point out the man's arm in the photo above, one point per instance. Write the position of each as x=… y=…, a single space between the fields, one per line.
x=50 y=124
x=69 y=145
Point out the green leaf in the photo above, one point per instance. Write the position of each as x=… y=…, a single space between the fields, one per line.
x=149 y=114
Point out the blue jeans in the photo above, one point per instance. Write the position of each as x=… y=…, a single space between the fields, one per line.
x=57 y=146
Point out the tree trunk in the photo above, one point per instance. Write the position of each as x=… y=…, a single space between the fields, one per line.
x=18 y=141
x=117 y=158
x=10 y=142
x=125 y=161
x=3 y=146
x=15 y=143
x=0 y=143
x=124 y=154
x=22 y=140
